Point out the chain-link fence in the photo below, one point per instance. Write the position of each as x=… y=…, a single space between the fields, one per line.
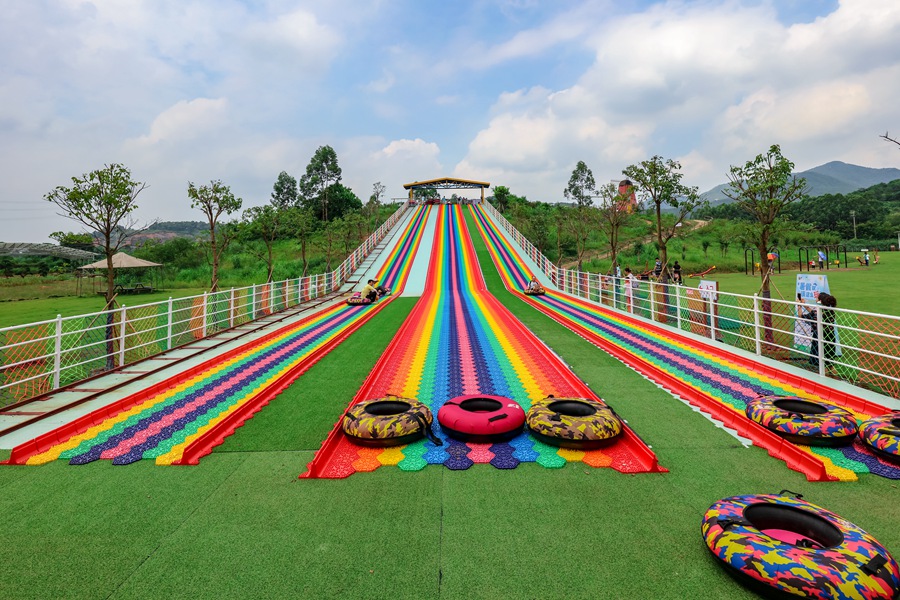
x=858 y=347
x=39 y=357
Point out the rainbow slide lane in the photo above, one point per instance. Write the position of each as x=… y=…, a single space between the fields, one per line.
x=717 y=381
x=460 y=340
x=179 y=420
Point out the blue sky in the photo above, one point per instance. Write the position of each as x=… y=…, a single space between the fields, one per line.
x=514 y=92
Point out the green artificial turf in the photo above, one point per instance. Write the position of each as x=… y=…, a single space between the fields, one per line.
x=242 y=525
x=296 y=418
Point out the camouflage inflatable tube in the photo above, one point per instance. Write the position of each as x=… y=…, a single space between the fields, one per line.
x=387 y=421
x=803 y=421
x=882 y=435
x=786 y=547
x=573 y=422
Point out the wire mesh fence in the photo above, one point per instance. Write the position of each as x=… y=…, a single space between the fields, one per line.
x=858 y=347
x=37 y=358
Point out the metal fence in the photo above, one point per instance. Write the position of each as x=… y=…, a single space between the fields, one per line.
x=858 y=347
x=40 y=357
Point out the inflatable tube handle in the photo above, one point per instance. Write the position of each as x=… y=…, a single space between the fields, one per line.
x=874 y=565
x=726 y=524
x=798 y=415
x=796 y=495
x=423 y=424
x=498 y=417
x=889 y=431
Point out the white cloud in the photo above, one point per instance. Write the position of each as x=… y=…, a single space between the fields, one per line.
x=239 y=91
x=710 y=85
x=187 y=120
x=393 y=163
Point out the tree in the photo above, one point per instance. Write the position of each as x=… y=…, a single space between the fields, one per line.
x=104 y=201
x=285 y=192
x=262 y=223
x=581 y=190
x=763 y=187
x=581 y=186
x=501 y=197
x=342 y=201
x=538 y=227
x=301 y=223
x=79 y=241
x=658 y=181
x=214 y=200
x=615 y=211
x=373 y=206
x=560 y=219
x=321 y=173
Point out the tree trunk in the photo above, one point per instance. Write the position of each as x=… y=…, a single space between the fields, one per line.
x=663 y=251
x=214 y=284
x=110 y=278
x=764 y=293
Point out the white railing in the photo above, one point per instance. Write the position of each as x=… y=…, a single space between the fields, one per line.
x=859 y=347
x=40 y=357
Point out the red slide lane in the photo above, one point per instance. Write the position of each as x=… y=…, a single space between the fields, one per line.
x=96 y=417
x=634 y=443
x=795 y=458
x=217 y=434
x=822 y=390
x=314 y=469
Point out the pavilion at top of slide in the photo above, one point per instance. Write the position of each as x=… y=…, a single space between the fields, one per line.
x=446 y=183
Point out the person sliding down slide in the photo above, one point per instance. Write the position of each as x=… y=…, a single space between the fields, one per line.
x=369 y=292
x=534 y=287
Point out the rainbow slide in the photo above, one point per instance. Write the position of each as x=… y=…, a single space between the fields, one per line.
x=717 y=381
x=179 y=420
x=460 y=340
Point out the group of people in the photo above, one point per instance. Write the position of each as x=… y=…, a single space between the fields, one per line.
x=657 y=271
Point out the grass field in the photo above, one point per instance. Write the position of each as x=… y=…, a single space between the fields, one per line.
x=20 y=312
x=241 y=525
x=871 y=289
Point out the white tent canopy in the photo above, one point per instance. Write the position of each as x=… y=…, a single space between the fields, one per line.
x=122 y=261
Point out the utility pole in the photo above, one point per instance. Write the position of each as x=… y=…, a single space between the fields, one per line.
x=853 y=214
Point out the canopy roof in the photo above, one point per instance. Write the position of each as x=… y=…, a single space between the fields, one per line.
x=44 y=249
x=122 y=261
x=445 y=183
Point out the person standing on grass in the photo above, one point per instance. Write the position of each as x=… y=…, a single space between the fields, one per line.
x=631 y=282
x=822 y=259
x=676 y=270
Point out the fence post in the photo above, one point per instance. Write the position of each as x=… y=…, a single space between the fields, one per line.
x=820 y=346
x=271 y=297
x=678 y=306
x=757 y=338
x=231 y=309
x=122 y=337
x=57 y=352
x=253 y=302
x=651 y=297
x=169 y=318
x=712 y=316
x=203 y=322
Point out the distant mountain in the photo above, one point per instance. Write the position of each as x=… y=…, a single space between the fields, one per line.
x=834 y=177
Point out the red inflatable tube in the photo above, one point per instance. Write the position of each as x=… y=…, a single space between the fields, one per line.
x=480 y=417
